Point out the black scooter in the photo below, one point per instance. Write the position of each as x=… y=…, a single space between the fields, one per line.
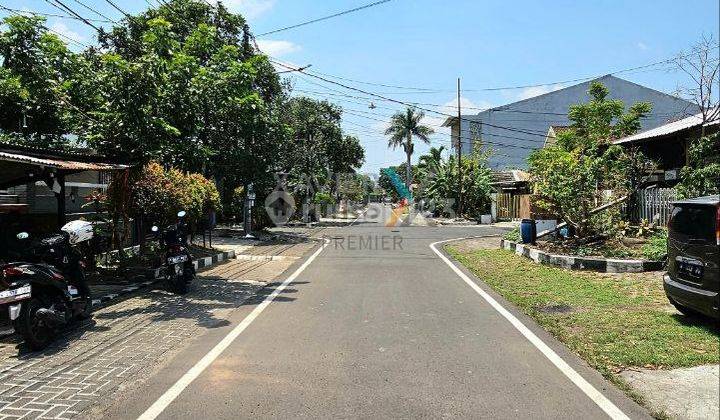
x=177 y=265
x=46 y=291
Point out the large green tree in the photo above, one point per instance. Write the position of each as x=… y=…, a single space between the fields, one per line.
x=570 y=178
x=41 y=81
x=182 y=84
x=319 y=149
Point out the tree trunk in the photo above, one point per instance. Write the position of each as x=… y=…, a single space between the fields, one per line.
x=408 y=168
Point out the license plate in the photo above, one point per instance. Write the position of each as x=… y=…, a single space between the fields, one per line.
x=177 y=259
x=690 y=268
x=15 y=294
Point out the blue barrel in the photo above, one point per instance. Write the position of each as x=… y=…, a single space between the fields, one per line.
x=528 y=232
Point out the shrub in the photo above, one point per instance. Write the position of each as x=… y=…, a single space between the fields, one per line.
x=156 y=195
x=513 y=235
x=702 y=175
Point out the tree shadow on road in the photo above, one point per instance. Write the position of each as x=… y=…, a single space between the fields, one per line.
x=207 y=304
x=208 y=295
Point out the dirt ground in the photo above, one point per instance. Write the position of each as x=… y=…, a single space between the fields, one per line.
x=470 y=245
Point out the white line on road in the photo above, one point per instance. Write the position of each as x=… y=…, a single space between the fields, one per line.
x=605 y=404
x=171 y=394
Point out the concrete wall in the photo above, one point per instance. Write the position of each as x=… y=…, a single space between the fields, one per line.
x=42 y=200
x=534 y=116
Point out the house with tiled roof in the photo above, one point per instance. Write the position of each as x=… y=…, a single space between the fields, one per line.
x=667 y=145
x=40 y=189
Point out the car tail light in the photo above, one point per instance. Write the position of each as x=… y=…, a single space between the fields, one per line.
x=12 y=271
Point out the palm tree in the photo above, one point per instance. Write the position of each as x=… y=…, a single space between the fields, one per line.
x=429 y=162
x=403 y=127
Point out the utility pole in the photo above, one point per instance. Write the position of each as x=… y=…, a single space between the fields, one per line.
x=459 y=152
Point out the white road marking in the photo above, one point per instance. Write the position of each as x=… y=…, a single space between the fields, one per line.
x=605 y=404
x=171 y=394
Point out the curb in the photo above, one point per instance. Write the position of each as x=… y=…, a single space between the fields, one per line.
x=199 y=263
x=602 y=265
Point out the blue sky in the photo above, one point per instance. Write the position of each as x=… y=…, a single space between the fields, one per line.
x=429 y=43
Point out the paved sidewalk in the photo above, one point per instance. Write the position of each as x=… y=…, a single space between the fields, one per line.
x=700 y=385
x=126 y=342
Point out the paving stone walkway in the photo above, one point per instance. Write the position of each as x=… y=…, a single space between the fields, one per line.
x=126 y=342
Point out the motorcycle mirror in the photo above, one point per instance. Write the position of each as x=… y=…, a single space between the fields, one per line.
x=23 y=235
x=154 y=229
x=182 y=213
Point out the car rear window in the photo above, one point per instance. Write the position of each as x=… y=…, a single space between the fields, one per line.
x=693 y=222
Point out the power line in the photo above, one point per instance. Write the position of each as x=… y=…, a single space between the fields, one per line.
x=116 y=7
x=60 y=34
x=60 y=5
x=463 y=139
x=93 y=10
x=19 y=12
x=359 y=113
x=345 y=12
x=500 y=109
x=399 y=101
x=419 y=89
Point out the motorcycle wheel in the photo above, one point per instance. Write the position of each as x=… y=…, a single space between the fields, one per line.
x=189 y=274
x=181 y=286
x=31 y=328
x=177 y=282
x=86 y=312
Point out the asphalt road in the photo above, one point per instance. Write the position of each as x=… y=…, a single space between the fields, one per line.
x=376 y=331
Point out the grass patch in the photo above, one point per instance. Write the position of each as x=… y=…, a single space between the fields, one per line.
x=613 y=321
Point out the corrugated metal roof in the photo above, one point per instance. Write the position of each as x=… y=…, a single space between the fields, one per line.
x=60 y=163
x=509 y=177
x=688 y=123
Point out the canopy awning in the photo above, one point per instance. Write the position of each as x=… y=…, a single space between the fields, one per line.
x=22 y=164
x=19 y=164
x=68 y=165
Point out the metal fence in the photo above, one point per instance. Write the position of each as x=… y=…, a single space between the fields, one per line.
x=654 y=205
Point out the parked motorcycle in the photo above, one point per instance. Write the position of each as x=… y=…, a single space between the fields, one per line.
x=177 y=264
x=46 y=288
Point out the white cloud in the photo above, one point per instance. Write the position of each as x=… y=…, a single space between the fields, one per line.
x=250 y=9
x=642 y=46
x=277 y=48
x=537 y=91
x=61 y=28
